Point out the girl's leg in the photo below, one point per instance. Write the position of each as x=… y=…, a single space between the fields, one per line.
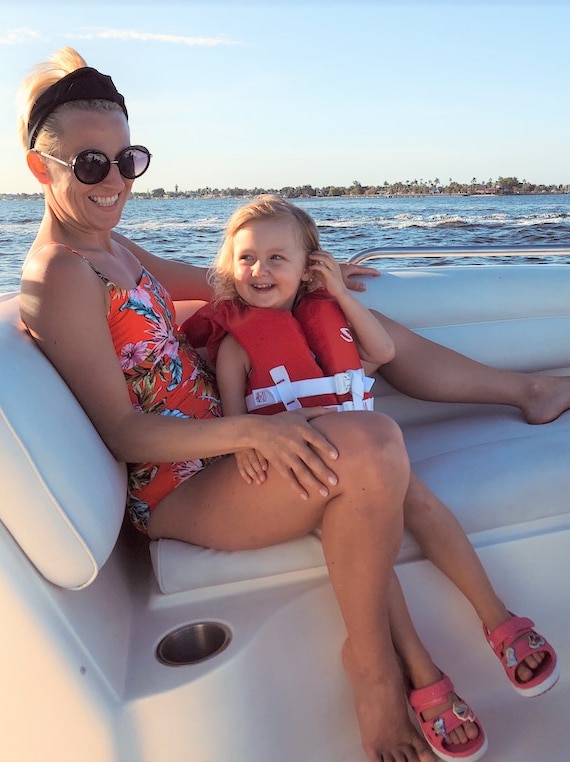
x=430 y=371
x=445 y=544
x=417 y=663
x=362 y=525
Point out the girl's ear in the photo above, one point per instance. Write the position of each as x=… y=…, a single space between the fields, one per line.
x=37 y=167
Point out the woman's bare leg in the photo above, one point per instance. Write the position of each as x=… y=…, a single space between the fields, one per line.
x=362 y=526
x=430 y=371
x=445 y=544
x=417 y=663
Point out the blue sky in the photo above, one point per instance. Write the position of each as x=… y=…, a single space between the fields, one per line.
x=270 y=94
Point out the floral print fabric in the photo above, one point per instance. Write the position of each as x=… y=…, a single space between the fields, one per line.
x=164 y=376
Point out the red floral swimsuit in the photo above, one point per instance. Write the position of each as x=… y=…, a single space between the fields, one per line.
x=164 y=376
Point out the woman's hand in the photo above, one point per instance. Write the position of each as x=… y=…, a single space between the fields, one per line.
x=348 y=270
x=296 y=450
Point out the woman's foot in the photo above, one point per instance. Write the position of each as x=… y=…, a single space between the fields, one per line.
x=385 y=727
x=545 y=398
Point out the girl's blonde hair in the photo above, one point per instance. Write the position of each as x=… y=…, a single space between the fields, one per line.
x=44 y=75
x=264 y=207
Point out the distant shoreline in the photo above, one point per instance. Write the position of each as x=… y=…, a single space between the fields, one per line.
x=503 y=186
x=166 y=195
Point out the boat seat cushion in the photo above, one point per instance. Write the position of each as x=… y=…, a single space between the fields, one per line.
x=63 y=494
x=179 y=566
x=496 y=472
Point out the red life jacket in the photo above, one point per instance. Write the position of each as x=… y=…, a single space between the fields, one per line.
x=300 y=359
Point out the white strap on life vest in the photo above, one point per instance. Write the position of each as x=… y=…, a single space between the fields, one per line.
x=287 y=392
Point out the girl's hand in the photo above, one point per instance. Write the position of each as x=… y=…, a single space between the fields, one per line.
x=252 y=466
x=349 y=270
x=296 y=450
x=327 y=271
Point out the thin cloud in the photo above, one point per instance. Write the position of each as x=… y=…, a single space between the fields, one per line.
x=18 y=36
x=130 y=34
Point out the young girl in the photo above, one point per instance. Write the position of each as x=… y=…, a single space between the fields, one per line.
x=279 y=299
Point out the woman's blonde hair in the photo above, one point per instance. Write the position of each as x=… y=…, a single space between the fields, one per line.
x=44 y=75
x=264 y=207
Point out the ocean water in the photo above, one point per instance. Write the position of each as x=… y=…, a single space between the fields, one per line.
x=192 y=229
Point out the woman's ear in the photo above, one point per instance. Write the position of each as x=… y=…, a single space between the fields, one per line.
x=37 y=167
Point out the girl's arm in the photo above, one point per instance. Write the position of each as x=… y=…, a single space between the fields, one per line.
x=375 y=345
x=182 y=280
x=232 y=367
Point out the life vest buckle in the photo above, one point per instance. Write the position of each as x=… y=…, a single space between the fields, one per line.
x=343 y=382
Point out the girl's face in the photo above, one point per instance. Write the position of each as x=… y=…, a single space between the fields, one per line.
x=89 y=207
x=269 y=263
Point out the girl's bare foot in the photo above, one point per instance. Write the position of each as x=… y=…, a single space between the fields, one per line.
x=546 y=398
x=385 y=728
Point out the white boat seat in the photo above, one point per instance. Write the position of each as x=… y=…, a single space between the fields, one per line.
x=63 y=494
x=474 y=466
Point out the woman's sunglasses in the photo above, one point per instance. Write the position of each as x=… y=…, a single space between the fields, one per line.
x=91 y=166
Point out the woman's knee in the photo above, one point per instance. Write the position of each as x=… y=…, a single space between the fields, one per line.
x=375 y=430
x=372 y=442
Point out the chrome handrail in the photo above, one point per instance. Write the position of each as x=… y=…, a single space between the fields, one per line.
x=405 y=252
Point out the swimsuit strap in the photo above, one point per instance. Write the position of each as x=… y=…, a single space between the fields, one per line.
x=98 y=273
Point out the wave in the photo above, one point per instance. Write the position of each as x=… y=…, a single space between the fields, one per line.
x=153 y=226
x=408 y=221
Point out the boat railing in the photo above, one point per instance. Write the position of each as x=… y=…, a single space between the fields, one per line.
x=459 y=252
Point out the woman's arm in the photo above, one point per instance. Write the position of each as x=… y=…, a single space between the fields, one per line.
x=65 y=305
x=185 y=281
x=182 y=280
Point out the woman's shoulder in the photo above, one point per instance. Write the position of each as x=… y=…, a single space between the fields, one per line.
x=55 y=275
x=48 y=262
x=43 y=252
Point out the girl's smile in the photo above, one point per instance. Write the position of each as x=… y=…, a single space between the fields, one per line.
x=269 y=263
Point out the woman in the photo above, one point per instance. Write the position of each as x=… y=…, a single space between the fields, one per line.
x=103 y=316
x=155 y=405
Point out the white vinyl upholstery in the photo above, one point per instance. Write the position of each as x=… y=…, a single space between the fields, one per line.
x=491 y=470
x=62 y=494
x=179 y=566
x=485 y=462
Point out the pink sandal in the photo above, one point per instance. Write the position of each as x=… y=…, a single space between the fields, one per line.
x=436 y=729
x=512 y=642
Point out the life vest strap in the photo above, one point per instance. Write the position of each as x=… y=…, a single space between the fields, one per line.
x=367 y=404
x=287 y=392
